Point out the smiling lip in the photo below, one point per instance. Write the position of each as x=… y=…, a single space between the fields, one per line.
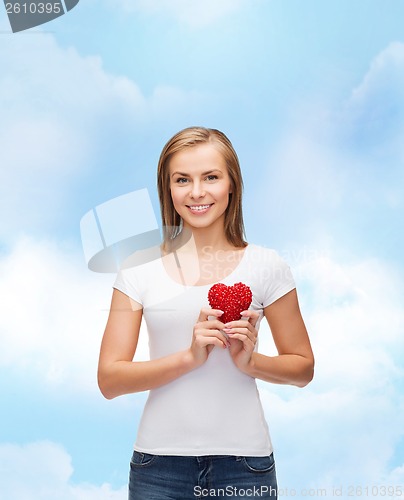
x=199 y=209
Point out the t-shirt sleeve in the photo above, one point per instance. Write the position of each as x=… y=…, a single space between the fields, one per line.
x=125 y=282
x=278 y=279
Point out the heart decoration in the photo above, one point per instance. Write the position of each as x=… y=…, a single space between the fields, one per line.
x=230 y=299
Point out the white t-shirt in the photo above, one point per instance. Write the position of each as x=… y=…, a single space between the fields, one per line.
x=214 y=409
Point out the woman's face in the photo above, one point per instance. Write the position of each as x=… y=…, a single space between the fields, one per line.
x=200 y=186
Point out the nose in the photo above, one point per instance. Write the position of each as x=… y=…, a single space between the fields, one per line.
x=197 y=190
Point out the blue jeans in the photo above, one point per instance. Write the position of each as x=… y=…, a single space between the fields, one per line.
x=162 y=477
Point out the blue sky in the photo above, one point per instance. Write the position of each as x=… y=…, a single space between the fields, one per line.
x=311 y=95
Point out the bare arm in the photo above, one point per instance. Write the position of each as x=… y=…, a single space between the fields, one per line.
x=294 y=364
x=117 y=372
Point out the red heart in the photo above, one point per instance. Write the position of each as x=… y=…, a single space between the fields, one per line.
x=230 y=299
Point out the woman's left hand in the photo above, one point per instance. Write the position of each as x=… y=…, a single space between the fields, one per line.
x=242 y=335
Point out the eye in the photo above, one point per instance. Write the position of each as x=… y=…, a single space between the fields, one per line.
x=181 y=180
x=212 y=177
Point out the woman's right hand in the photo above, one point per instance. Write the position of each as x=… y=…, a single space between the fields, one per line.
x=206 y=335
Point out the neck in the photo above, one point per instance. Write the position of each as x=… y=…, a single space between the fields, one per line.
x=204 y=239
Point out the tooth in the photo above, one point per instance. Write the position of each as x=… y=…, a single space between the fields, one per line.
x=200 y=207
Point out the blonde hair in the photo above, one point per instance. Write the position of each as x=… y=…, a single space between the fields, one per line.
x=191 y=137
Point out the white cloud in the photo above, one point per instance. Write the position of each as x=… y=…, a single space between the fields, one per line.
x=373 y=115
x=385 y=78
x=52 y=100
x=193 y=14
x=43 y=471
x=346 y=426
x=304 y=186
x=336 y=173
x=53 y=316
x=396 y=477
x=58 y=108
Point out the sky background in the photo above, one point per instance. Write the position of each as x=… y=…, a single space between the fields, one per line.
x=312 y=96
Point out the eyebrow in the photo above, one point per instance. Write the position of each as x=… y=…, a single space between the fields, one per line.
x=203 y=173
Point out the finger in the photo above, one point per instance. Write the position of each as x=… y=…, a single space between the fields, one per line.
x=250 y=333
x=241 y=323
x=210 y=333
x=251 y=315
x=243 y=338
x=247 y=317
x=242 y=328
x=212 y=324
x=209 y=326
x=203 y=341
x=247 y=341
x=206 y=312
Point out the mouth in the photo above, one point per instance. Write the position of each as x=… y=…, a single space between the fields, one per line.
x=199 y=209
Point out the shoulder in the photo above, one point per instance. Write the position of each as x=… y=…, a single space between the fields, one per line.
x=270 y=274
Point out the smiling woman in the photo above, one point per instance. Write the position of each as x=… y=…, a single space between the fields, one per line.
x=214 y=150
x=203 y=423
